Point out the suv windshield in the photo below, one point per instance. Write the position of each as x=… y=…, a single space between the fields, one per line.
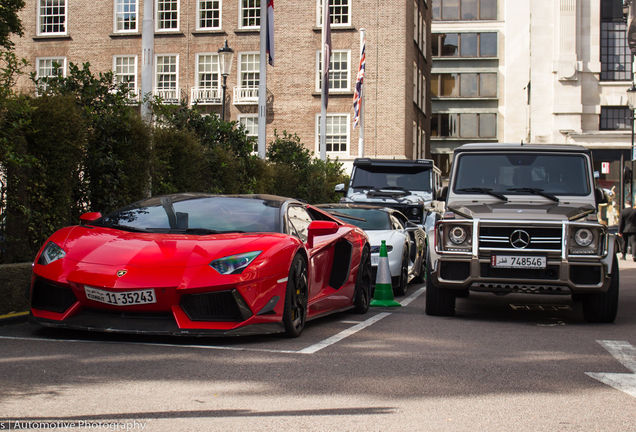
x=523 y=173
x=398 y=177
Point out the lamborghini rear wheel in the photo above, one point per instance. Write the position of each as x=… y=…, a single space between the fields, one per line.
x=296 y=298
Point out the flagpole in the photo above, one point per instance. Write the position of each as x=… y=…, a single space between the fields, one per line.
x=262 y=84
x=363 y=36
x=326 y=58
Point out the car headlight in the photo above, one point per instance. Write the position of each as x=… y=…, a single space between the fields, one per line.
x=51 y=253
x=376 y=249
x=234 y=264
x=457 y=235
x=583 y=237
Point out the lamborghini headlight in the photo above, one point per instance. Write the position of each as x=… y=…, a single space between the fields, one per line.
x=234 y=264
x=50 y=253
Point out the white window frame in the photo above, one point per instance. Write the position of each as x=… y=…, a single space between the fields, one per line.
x=177 y=90
x=416 y=23
x=347 y=123
x=43 y=87
x=240 y=71
x=319 y=15
x=240 y=17
x=415 y=136
x=423 y=99
x=117 y=13
x=419 y=88
x=199 y=27
x=414 y=82
x=40 y=16
x=197 y=71
x=157 y=21
x=115 y=74
x=254 y=118
x=319 y=71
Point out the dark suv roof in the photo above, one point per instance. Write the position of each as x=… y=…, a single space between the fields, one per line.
x=392 y=162
x=523 y=147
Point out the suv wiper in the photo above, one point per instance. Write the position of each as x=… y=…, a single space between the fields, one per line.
x=485 y=191
x=535 y=191
x=364 y=187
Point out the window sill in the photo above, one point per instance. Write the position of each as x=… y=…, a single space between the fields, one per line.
x=334 y=93
x=489 y=98
x=254 y=30
x=56 y=36
x=169 y=33
x=615 y=83
x=125 y=35
x=209 y=32
x=336 y=28
x=437 y=58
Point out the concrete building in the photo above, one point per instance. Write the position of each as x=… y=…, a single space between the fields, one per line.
x=183 y=54
x=539 y=71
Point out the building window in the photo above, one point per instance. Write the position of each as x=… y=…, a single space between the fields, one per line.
x=464 y=45
x=167 y=78
x=464 y=10
x=208 y=71
x=125 y=15
x=616 y=58
x=250 y=13
x=49 y=67
x=339 y=71
x=423 y=81
x=337 y=133
x=339 y=12
x=465 y=125
x=415 y=82
x=167 y=14
x=52 y=17
x=209 y=13
x=249 y=70
x=464 y=85
x=416 y=23
x=125 y=68
x=250 y=123
x=615 y=118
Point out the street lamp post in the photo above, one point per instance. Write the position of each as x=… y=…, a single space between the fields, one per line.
x=226 y=54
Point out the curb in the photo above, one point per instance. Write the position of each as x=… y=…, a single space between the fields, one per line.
x=14 y=318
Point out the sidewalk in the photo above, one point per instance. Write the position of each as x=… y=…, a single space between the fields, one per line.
x=627 y=264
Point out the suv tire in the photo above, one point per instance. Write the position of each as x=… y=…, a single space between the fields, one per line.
x=439 y=301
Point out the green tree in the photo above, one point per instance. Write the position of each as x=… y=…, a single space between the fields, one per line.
x=10 y=23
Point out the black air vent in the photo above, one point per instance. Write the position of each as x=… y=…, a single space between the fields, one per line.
x=49 y=297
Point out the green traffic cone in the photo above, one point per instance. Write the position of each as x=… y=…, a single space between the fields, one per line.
x=383 y=295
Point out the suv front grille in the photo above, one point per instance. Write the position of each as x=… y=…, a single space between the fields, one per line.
x=547 y=238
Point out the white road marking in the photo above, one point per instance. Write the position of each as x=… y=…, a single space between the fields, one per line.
x=625 y=353
x=309 y=350
x=343 y=334
x=356 y=328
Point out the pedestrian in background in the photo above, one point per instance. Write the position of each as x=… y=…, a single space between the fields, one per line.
x=627 y=231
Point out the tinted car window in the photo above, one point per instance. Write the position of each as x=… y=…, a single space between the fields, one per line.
x=179 y=214
x=552 y=173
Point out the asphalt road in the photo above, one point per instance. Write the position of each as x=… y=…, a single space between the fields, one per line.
x=512 y=363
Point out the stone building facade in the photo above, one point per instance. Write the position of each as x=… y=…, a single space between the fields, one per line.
x=188 y=33
x=553 y=72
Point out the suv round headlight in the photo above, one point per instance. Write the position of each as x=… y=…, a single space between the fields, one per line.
x=457 y=235
x=583 y=237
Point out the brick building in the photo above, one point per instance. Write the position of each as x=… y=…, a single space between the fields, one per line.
x=188 y=34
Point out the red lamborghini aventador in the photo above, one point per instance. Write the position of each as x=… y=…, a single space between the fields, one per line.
x=199 y=264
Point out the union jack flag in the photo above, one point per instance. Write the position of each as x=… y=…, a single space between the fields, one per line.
x=357 y=98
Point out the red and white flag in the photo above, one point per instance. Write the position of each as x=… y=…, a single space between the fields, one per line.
x=270 y=32
x=357 y=94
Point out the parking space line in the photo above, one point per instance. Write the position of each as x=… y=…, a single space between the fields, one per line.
x=356 y=328
x=309 y=350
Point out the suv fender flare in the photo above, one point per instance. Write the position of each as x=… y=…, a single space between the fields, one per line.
x=612 y=251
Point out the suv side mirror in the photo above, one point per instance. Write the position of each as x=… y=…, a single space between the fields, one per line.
x=443 y=192
x=340 y=188
x=600 y=196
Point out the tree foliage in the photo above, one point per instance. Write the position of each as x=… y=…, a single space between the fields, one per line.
x=10 y=22
x=82 y=146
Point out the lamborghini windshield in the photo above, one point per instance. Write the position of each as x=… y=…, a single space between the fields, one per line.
x=196 y=214
x=546 y=174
